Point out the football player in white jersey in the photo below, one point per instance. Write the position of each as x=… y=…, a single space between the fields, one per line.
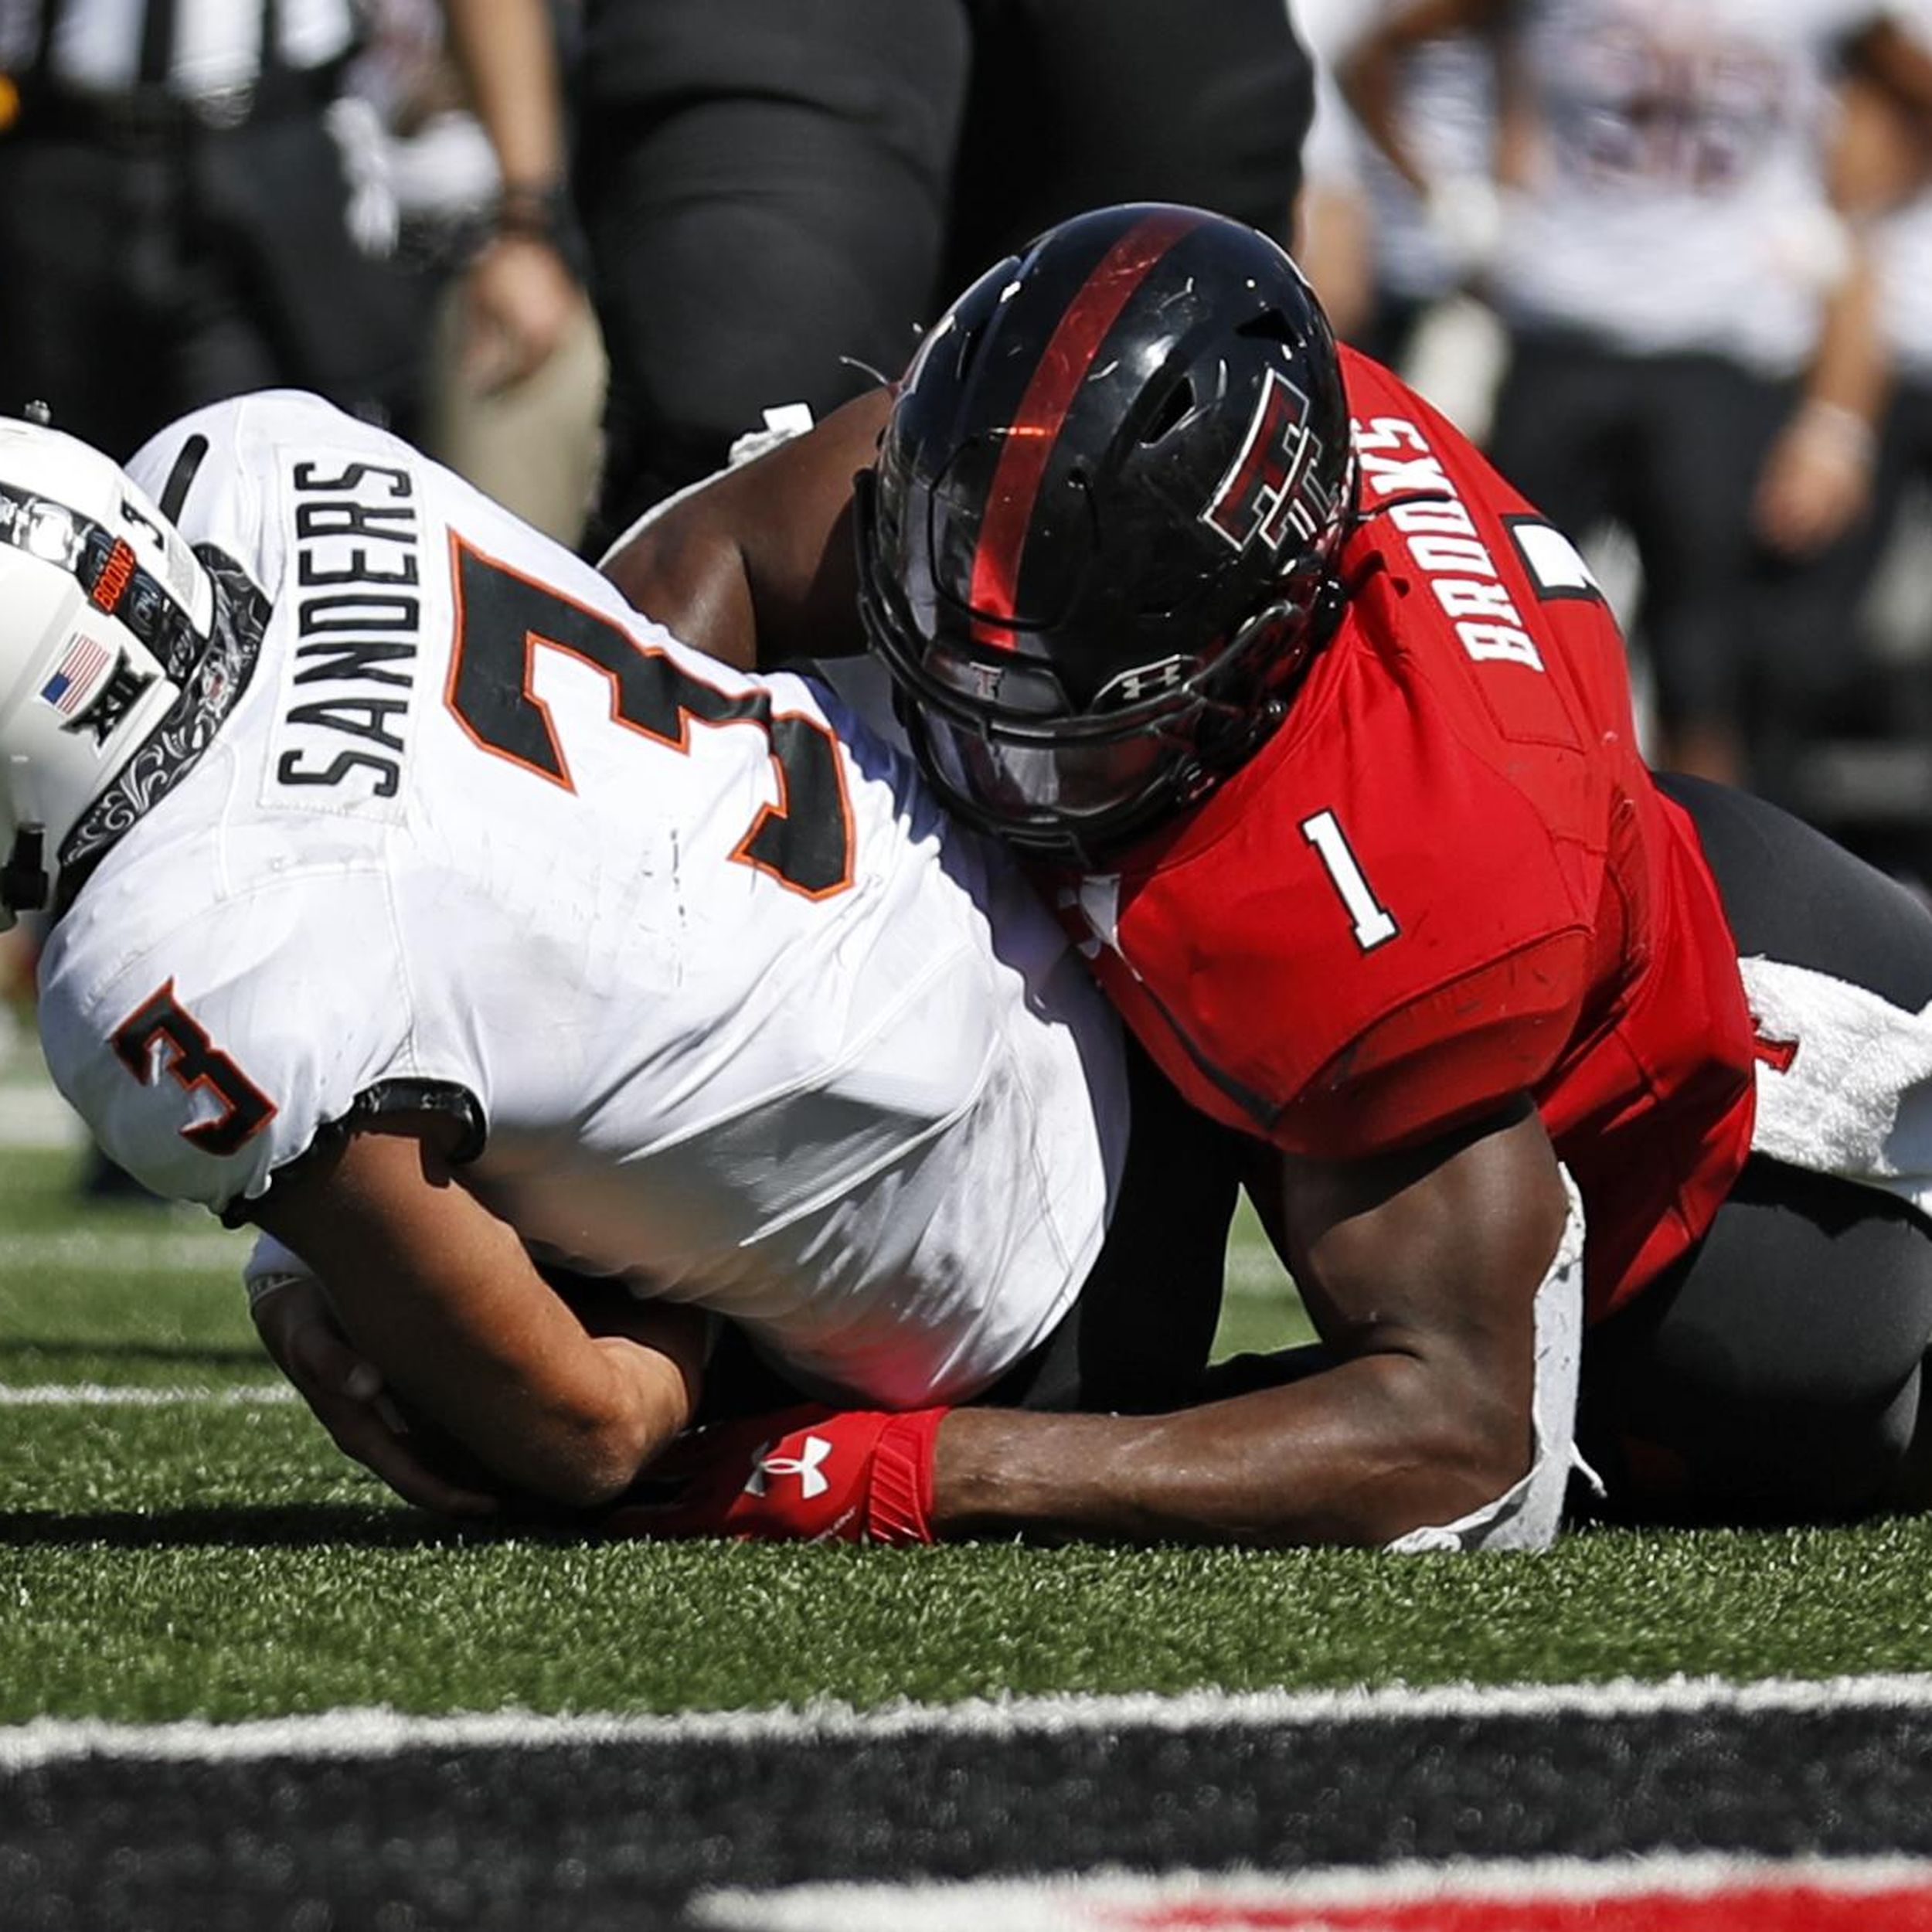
x=417 y=900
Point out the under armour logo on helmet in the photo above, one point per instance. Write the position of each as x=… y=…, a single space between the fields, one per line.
x=1143 y=681
x=1273 y=485
x=804 y=1466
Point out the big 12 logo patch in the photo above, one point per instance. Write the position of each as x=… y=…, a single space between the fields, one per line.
x=1273 y=488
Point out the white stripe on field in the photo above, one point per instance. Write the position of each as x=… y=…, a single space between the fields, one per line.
x=1256 y=1273
x=163 y=1251
x=382 y=1733
x=128 y=1395
x=36 y=1117
x=1089 y=1902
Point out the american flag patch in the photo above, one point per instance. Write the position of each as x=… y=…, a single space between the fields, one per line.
x=74 y=675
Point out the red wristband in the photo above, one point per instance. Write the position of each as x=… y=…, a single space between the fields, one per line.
x=899 y=1504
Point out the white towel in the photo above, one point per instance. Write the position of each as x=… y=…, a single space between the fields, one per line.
x=1853 y=1096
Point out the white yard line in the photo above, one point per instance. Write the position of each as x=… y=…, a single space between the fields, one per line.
x=380 y=1733
x=34 y=1115
x=119 y=1395
x=165 y=1250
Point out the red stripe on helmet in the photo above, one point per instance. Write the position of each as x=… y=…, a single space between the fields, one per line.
x=1035 y=426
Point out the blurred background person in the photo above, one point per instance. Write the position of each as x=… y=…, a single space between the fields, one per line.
x=776 y=195
x=1863 y=761
x=191 y=205
x=1400 y=274
x=196 y=198
x=513 y=372
x=1693 y=347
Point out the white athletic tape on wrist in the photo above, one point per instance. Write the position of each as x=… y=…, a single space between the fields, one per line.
x=1528 y=1515
x=272 y=1265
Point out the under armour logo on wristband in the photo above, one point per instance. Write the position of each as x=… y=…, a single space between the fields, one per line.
x=804 y=1466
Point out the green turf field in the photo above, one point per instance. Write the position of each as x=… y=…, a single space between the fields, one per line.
x=177 y=1538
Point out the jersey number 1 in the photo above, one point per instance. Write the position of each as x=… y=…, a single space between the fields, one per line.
x=804 y=841
x=1373 y=921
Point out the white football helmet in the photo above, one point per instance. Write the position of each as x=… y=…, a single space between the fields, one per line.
x=99 y=596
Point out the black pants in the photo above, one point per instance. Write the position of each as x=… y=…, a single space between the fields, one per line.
x=1139 y=1339
x=1830 y=682
x=144 y=274
x=1669 y=446
x=1776 y=1372
x=777 y=196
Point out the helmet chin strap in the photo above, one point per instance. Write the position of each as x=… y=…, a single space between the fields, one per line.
x=24 y=882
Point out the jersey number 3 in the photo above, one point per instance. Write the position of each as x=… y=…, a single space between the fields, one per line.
x=160 y=1035
x=804 y=841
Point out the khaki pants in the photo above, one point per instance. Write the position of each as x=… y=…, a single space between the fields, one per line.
x=536 y=446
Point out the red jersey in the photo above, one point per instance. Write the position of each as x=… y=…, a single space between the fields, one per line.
x=1449 y=879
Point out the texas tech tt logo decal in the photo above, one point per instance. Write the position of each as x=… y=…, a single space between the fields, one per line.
x=1272 y=487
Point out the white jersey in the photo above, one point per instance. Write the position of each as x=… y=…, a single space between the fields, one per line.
x=732 y=1011
x=1903 y=244
x=1677 y=201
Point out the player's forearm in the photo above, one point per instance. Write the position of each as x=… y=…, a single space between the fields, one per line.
x=755 y=565
x=507 y=55
x=684 y=568
x=1359 y=1455
x=573 y=1426
x=575 y=1416
x=441 y=1297
x=1369 y=75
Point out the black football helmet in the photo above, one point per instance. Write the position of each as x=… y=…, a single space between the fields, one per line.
x=1102 y=535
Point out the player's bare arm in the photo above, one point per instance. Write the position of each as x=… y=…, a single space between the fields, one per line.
x=757 y=563
x=1421 y=1271
x=345 y=1393
x=1887 y=52
x=439 y=1297
x=1444 y=1417
x=1369 y=77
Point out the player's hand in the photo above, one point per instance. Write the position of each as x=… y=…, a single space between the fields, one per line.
x=299 y=1330
x=1816 y=481
x=808 y=1475
x=519 y=301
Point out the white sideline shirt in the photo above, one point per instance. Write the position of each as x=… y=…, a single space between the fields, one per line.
x=1677 y=193
x=1904 y=245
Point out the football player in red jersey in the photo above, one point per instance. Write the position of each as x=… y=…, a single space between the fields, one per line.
x=1321 y=737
